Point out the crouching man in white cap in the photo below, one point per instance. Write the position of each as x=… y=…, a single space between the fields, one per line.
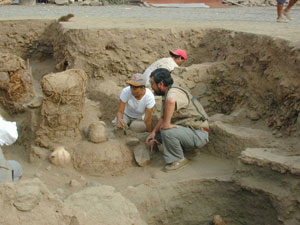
x=136 y=105
x=183 y=125
x=10 y=170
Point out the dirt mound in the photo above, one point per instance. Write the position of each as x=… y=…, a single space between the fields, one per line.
x=15 y=83
x=104 y=206
x=249 y=71
x=31 y=202
x=110 y=157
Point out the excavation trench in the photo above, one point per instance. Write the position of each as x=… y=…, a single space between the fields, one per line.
x=249 y=84
x=197 y=201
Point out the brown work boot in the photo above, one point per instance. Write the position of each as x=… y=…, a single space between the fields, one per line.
x=176 y=165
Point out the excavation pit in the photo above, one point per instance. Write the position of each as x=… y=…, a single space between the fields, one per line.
x=248 y=83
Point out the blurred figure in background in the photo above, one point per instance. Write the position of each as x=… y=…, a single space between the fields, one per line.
x=10 y=170
x=285 y=12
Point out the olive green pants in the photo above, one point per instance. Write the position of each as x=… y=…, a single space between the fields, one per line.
x=177 y=140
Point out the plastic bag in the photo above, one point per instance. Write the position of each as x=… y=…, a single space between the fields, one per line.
x=8 y=132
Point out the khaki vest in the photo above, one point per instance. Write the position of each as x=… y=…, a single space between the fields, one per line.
x=192 y=116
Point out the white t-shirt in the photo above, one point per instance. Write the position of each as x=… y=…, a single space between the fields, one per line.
x=136 y=108
x=166 y=63
x=8 y=132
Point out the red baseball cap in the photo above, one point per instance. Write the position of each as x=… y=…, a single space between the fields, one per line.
x=179 y=52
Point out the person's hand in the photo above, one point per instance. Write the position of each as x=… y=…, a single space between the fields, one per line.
x=166 y=126
x=152 y=142
x=150 y=138
x=121 y=123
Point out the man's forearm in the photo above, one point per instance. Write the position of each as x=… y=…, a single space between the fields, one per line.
x=157 y=126
x=119 y=115
x=148 y=126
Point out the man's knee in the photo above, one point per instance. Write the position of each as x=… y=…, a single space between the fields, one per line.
x=169 y=133
x=138 y=126
x=166 y=133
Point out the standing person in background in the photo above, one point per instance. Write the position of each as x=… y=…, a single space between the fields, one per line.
x=285 y=12
x=177 y=59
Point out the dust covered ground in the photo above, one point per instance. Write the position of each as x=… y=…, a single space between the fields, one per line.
x=242 y=66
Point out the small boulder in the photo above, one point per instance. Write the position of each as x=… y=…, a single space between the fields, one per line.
x=97 y=132
x=27 y=198
x=142 y=154
x=132 y=141
x=252 y=115
x=74 y=183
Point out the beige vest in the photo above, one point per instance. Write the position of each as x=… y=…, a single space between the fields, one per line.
x=192 y=116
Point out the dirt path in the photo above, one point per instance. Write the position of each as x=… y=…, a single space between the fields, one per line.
x=245 y=14
x=289 y=32
x=260 y=20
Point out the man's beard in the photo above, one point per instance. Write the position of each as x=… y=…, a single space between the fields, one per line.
x=159 y=93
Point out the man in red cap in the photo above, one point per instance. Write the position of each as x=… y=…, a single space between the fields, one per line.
x=176 y=59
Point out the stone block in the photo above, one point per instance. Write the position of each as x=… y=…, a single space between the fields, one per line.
x=142 y=154
x=229 y=141
x=272 y=158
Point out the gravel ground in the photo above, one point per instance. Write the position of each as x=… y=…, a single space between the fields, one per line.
x=242 y=14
